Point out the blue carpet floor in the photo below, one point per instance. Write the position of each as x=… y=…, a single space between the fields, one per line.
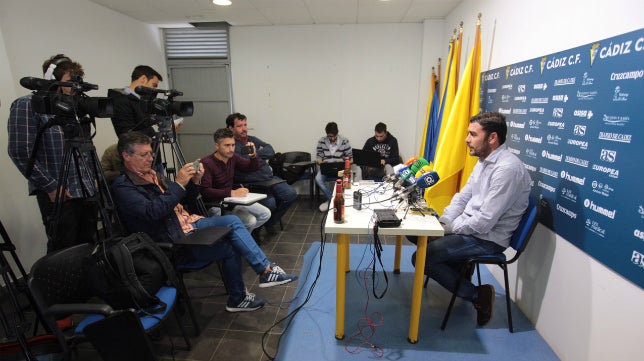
x=310 y=335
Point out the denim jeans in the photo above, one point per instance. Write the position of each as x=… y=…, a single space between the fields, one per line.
x=321 y=180
x=446 y=255
x=252 y=216
x=279 y=199
x=238 y=244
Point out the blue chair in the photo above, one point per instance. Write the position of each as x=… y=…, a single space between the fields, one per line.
x=58 y=287
x=518 y=242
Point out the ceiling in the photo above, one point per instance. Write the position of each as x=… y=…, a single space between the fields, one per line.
x=282 y=12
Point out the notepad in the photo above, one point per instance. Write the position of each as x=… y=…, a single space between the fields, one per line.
x=250 y=198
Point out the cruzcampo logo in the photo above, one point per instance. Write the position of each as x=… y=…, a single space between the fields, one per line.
x=593 y=52
x=507 y=72
x=542 y=64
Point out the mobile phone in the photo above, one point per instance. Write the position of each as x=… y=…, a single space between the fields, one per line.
x=195 y=165
x=357 y=200
x=247 y=149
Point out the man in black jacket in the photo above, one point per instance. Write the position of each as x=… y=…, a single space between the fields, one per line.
x=129 y=113
x=385 y=144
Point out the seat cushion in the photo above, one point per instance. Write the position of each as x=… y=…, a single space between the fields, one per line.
x=166 y=294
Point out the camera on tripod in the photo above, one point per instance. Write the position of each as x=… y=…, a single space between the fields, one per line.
x=161 y=110
x=163 y=106
x=46 y=98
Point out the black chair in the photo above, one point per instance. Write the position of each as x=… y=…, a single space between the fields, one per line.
x=518 y=242
x=301 y=160
x=58 y=288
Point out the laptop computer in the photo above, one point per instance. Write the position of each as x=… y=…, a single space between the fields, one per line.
x=367 y=158
x=331 y=169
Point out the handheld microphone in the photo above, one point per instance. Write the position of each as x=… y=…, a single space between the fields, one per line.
x=408 y=173
x=411 y=160
x=32 y=83
x=425 y=181
x=418 y=164
x=422 y=171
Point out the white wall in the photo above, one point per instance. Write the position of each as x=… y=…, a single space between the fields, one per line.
x=584 y=310
x=107 y=44
x=291 y=80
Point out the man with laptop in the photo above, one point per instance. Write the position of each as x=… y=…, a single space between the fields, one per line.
x=331 y=152
x=385 y=147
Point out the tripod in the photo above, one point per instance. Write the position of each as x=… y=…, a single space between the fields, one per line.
x=14 y=322
x=79 y=155
x=167 y=135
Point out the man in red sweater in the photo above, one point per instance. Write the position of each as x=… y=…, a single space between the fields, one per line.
x=217 y=181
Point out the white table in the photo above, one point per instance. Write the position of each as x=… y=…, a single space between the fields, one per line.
x=359 y=222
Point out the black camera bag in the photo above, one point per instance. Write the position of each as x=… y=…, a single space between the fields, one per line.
x=126 y=272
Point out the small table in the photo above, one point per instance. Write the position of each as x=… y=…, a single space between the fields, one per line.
x=358 y=222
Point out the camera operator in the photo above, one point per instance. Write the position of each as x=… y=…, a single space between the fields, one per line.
x=129 y=115
x=77 y=221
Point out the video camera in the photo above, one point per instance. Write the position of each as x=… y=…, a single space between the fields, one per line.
x=48 y=100
x=163 y=106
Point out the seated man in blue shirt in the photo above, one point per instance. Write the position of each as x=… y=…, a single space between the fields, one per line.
x=280 y=196
x=481 y=218
x=152 y=205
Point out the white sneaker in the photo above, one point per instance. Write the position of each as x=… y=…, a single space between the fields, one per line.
x=324 y=207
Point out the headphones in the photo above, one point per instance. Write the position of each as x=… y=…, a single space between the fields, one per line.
x=49 y=74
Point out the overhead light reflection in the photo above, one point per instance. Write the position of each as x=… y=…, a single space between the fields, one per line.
x=222 y=2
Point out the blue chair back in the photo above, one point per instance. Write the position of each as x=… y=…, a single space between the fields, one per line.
x=526 y=226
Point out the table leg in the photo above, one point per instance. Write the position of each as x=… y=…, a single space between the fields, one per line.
x=340 y=284
x=417 y=293
x=397 y=254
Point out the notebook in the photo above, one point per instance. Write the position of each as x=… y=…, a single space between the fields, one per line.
x=331 y=169
x=250 y=198
x=367 y=158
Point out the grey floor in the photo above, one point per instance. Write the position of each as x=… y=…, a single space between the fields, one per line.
x=238 y=336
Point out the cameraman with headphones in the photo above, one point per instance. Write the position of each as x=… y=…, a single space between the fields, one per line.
x=76 y=221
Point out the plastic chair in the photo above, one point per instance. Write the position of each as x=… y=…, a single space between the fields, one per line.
x=518 y=242
x=58 y=287
x=297 y=158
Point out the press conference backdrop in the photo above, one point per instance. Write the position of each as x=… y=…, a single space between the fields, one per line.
x=575 y=118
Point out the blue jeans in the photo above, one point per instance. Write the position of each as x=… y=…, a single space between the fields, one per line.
x=238 y=244
x=446 y=255
x=278 y=199
x=252 y=216
x=321 y=180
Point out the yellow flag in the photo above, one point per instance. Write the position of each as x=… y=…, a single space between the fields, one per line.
x=475 y=103
x=452 y=151
x=449 y=89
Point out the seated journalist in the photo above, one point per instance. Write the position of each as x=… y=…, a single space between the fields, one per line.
x=482 y=217
x=280 y=196
x=333 y=148
x=217 y=181
x=152 y=205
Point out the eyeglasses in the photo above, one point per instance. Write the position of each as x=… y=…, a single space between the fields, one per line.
x=332 y=137
x=145 y=155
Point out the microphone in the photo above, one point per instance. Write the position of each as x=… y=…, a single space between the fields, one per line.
x=32 y=83
x=422 y=171
x=411 y=160
x=408 y=174
x=426 y=180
